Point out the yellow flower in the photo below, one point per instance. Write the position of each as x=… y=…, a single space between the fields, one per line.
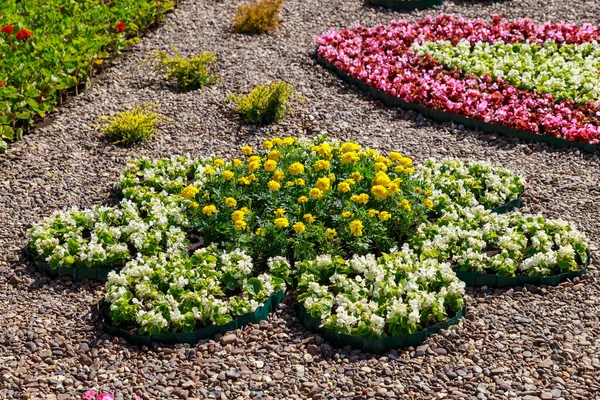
x=343 y=187
x=316 y=193
x=324 y=150
x=372 y=152
x=274 y=155
x=347 y=214
x=237 y=162
x=288 y=141
x=247 y=150
x=417 y=190
x=254 y=165
x=357 y=176
x=385 y=160
x=289 y=183
x=240 y=225
x=379 y=166
x=330 y=233
x=238 y=215
x=230 y=202
x=279 y=212
x=278 y=175
x=405 y=161
x=322 y=165
x=296 y=168
x=409 y=171
x=428 y=192
x=244 y=181
x=227 y=174
x=331 y=177
x=394 y=155
x=349 y=147
x=350 y=157
x=193 y=204
x=189 y=191
x=310 y=218
x=260 y=232
x=373 y=212
x=324 y=184
x=428 y=203
x=281 y=222
x=405 y=204
x=399 y=168
x=253 y=158
x=299 y=227
x=384 y=216
x=362 y=198
x=381 y=178
x=252 y=178
x=274 y=185
x=209 y=210
x=245 y=210
x=350 y=181
x=277 y=141
x=267 y=145
x=379 y=191
x=270 y=165
x=300 y=182
x=219 y=162
x=356 y=228
x=302 y=199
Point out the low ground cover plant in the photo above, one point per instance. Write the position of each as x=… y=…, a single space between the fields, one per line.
x=130 y=127
x=187 y=73
x=264 y=103
x=255 y=17
x=51 y=46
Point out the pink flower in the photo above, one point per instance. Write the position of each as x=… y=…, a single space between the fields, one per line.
x=90 y=394
x=105 y=396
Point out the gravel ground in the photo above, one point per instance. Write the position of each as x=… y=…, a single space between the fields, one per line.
x=526 y=343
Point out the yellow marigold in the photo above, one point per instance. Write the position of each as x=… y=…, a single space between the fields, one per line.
x=300 y=182
x=428 y=203
x=209 y=210
x=356 y=227
x=399 y=168
x=278 y=175
x=230 y=202
x=289 y=183
x=277 y=141
x=227 y=174
x=274 y=155
x=350 y=181
x=373 y=212
x=409 y=171
x=237 y=162
x=247 y=150
x=428 y=192
x=350 y=157
x=219 y=162
x=331 y=177
x=343 y=187
x=260 y=232
x=279 y=212
x=330 y=233
x=347 y=214
x=393 y=188
x=394 y=155
x=316 y=193
x=270 y=165
x=302 y=199
x=254 y=165
x=299 y=227
x=281 y=222
x=384 y=216
x=245 y=210
x=310 y=218
x=209 y=170
x=385 y=160
x=324 y=184
x=417 y=190
x=288 y=141
x=357 y=176
x=254 y=158
x=372 y=152
x=379 y=191
x=405 y=204
x=379 y=166
x=405 y=161
x=240 y=225
x=322 y=165
x=238 y=215
x=362 y=198
x=274 y=185
x=189 y=191
x=252 y=178
x=193 y=204
x=296 y=168
x=349 y=147
x=381 y=178
x=267 y=145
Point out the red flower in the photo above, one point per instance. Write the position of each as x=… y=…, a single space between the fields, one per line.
x=1 y=84
x=8 y=29
x=24 y=34
x=120 y=26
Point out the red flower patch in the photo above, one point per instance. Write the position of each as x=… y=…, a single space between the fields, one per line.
x=8 y=29
x=24 y=34
x=120 y=26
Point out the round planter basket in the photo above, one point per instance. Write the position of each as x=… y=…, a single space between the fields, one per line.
x=195 y=336
x=76 y=274
x=405 y=4
x=375 y=346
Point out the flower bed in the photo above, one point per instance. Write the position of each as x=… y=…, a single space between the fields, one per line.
x=51 y=47
x=395 y=64
x=406 y=4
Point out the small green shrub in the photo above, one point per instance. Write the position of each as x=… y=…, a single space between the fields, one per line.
x=257 y=17
x=265 y=103
x=188 y=73
x=134 y=126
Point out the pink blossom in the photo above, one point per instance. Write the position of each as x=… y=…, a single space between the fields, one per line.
x=90 y=394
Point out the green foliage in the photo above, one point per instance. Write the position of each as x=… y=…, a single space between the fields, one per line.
x=265 y=103
x=130 y=127
x=257 y=17
x=69 y=39
x=188 y=73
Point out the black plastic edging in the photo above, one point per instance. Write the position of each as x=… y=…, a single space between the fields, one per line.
x=193 y=337
x=511 y=205
x=375 y=346
x=77 y=274
x=405 y=4
x=467 y=122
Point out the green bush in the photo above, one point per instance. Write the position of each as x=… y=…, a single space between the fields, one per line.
x=130 y=127
x=265 y=103
x=257 y=17
x=50 y=46
x=187 y=73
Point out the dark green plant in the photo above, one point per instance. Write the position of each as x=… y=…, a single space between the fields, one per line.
x=265 y=103
x=133 y=126
x=257 y=17
x=187 y=73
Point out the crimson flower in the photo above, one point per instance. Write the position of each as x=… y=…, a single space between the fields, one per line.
x=24 y=34
x=1 y=84
x=8 y=29
x=120 y=26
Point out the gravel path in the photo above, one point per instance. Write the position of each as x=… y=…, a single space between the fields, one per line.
x=522 y=343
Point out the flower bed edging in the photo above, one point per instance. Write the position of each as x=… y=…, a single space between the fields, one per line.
x=511 y=205
x=76 y=274
x=195 y=336
x=443 y=116
x=375 y=346
x=406 y=4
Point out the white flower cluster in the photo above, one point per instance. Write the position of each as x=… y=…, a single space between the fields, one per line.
x=477 y=240
x=179 y=293
x=374 y=297
x=472 y=184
